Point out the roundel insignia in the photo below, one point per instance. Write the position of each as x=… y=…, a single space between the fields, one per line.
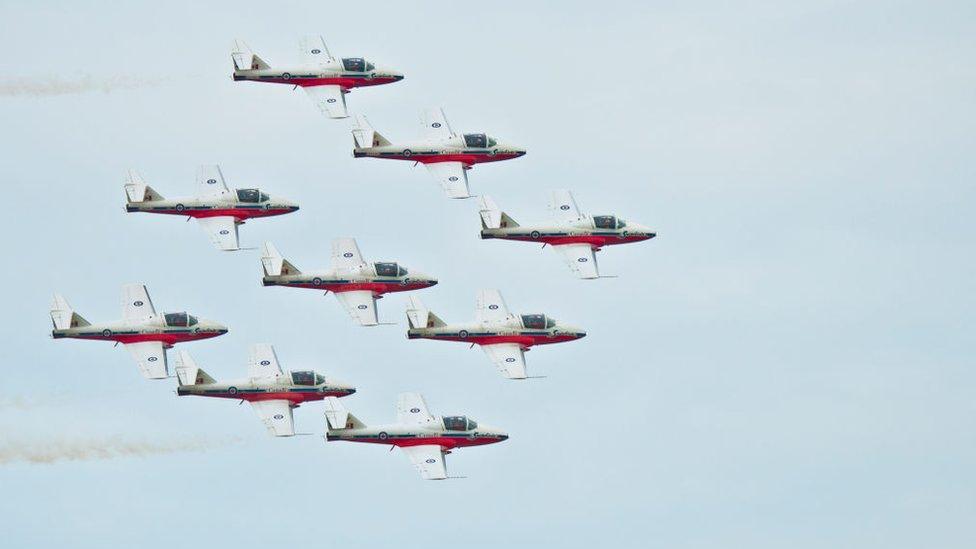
x=279 y=416
x=493 y=306
x=330 y=100
x=316 y=51
x=347 y=254
x=564 y=207
x=452 y=178
x=362 y=307
x=435 y=125
x=414 y=410
x=583 y=259
x=224 y=231
x=265 y=362
x=137 y=303
x=430 y=460
x=211 y=181
x=509 y=359
x=106 y=332
x=152 y=359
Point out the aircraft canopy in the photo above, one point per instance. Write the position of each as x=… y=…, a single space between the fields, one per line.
x=608 y=222
x=389 y=269
x=357 y=64
x=459 y=423
x=537 y=322
x=181 y=320
x=307 y=377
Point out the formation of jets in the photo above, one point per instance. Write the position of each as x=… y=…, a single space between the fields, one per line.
x=357 y=283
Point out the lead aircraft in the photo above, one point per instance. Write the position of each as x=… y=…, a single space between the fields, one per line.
x=424 y=438
x=326 y=79
x=575 y=235
x=503 y=336
x=218 y=209
x=145 y=334
x=447 y=154
x=356 y=283
x=272 y=392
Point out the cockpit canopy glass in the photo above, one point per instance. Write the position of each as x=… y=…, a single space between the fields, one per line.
x=319 y=379
x=476 y=140
x=252 y=196
x=389 y=269
x=537 y=322
x=179 y=320
x=459 y=423
x=303 y=378
x=608 y=222
x=356 y=64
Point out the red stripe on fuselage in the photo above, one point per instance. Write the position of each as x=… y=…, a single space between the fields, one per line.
x=342 y=82
x=378 y=288
x=168 y=339
x=237 y=213
x=594 y=241
x=445 y=442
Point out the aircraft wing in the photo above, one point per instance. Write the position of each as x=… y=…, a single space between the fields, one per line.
x=314 y=50
x=263 y=362
x=428 y=459
x=222 y=231
x=580 y=258
x=436 y=125
x=329 y=99
x=491 y=306
x=277 y=416
x=361 y=306
x=210 y=182
x=508 y=358
x=412 y=410
x=136 y=305
x=346 y=255
x=151 y=358
x=563 y=206
x=452 y=176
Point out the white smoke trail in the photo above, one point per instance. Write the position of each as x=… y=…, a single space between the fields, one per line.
x=52 y=451
x=54 y=86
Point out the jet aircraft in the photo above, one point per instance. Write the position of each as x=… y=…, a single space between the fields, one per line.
x=272 y=393
x=143 y=332
x=356 y=283
x=446 y=154
x=425 y=439
x=503 y=336
x=326 y=79
x=218 y=209
x=575 y=235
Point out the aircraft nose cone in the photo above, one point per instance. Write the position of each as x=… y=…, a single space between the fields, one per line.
x=432 y=282
x=350 y=390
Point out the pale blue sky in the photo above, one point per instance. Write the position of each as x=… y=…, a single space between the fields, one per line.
x=788 y=364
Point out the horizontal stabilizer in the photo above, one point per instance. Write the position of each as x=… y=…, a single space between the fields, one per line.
x=136 y=189
x=419 y=316
x=338 y=417
x=188 y=373
x=365 y=136
x=63 y=317
x=245 y=59
x=274 y=264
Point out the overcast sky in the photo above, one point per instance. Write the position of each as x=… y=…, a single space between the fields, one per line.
x=790 y=362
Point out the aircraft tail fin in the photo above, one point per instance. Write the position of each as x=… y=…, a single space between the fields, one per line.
x=338 y=417
x=492 y=217
x=274 y=264
x=63 y=316
x=188 y=373
x=419 y=316
x=245 y=59
x=365 y=136
x=136 y=189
